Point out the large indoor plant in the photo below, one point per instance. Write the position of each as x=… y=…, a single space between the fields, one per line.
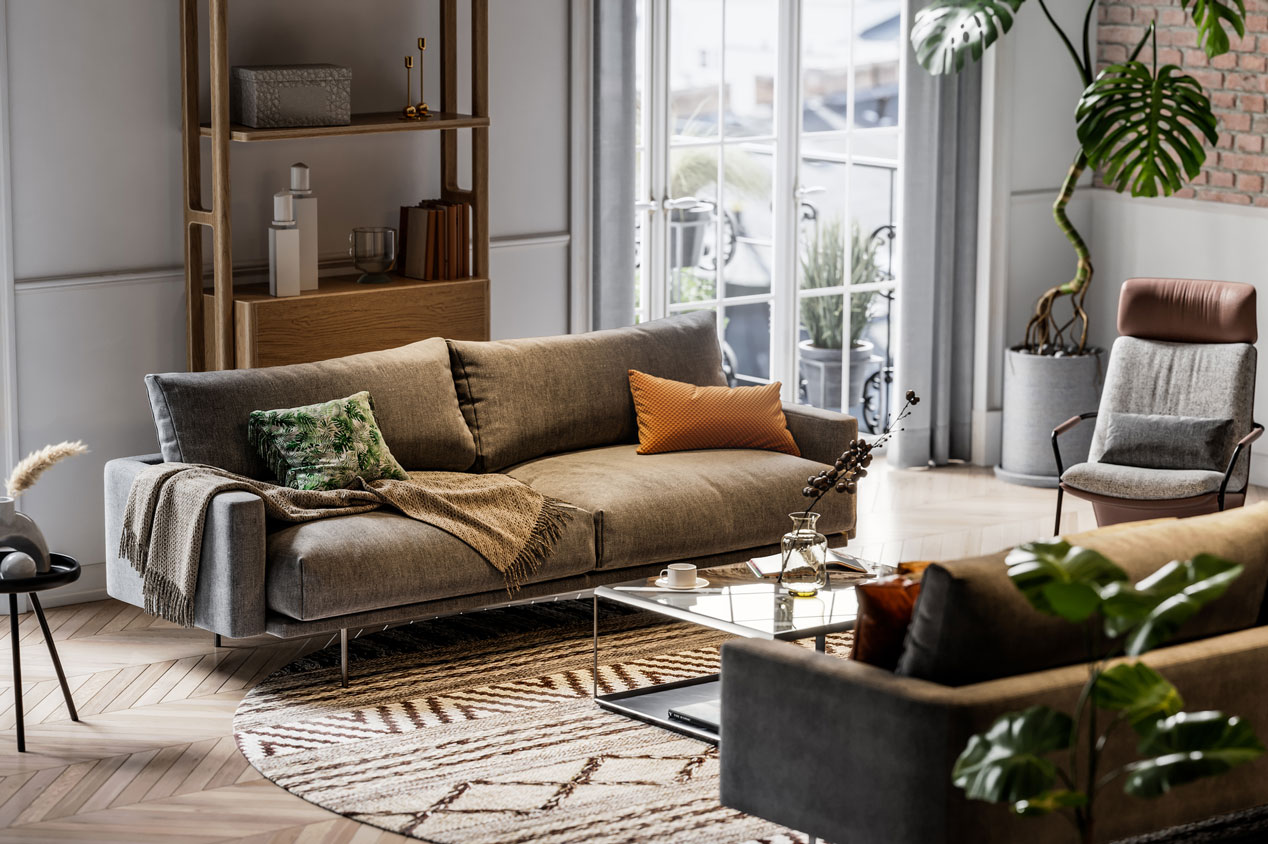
x=1142 y=125
x=1013 y=763
x=823 y=266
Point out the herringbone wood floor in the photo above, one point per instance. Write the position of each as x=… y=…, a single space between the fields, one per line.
x=153 y=758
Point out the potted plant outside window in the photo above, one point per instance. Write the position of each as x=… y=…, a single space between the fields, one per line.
x=823 y=265
x=1142 y=125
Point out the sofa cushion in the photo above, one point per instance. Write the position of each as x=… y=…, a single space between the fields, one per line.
x=972 y=624
x=382 y=559
x=1156 y=441
x=526 y=398
x=673 y=416
x=651 y=508
x=202 y=417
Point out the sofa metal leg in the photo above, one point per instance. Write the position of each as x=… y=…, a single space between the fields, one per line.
x=1056 y=527
x=219 y=644
x=343 y=656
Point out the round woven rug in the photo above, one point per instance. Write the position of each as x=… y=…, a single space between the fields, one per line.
x=480 y=729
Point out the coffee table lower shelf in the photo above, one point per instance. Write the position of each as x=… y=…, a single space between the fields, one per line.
x=652 y=704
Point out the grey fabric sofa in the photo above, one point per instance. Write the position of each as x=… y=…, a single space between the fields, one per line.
x=555 y=412
x=854 y=753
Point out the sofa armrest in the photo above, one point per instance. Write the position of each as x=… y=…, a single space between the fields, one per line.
x=230 y=595
x=821 y=435
x=804 y=735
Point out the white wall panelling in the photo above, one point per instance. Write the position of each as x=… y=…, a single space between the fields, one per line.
x=94 y=212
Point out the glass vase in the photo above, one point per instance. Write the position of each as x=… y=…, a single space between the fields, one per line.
x=804 y=557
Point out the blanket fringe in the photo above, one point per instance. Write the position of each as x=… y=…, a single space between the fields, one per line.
x=545 y=535
x=164 y=599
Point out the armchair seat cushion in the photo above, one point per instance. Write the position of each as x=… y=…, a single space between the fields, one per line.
x=651 y=508
x=1141 y=484
x=382 y=559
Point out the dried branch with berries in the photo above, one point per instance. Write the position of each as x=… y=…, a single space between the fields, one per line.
x=851 y=466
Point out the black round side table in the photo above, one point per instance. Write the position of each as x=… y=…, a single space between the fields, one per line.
x=63 y=570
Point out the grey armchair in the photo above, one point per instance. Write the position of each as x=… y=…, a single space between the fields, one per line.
x=1184 y=364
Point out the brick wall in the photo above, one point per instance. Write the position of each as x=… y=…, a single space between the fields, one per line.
x=1236 y=170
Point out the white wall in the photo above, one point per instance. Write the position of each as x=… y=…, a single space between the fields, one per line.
x=95 y=179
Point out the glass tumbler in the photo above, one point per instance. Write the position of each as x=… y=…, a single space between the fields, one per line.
x=373 y=252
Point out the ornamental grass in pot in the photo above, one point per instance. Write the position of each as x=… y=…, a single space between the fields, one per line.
x=1145 y=128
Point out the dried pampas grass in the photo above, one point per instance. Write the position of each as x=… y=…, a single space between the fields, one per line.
x=28 y=471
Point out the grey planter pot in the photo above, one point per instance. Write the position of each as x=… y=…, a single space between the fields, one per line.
x=821 y=370
x=1041 y=392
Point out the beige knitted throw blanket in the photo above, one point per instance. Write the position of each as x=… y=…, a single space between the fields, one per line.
x=509 y=523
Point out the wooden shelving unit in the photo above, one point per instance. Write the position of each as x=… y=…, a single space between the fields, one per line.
x=245 y=327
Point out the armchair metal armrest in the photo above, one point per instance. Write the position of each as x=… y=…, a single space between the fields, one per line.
x=1061 y=429
x=1256 y=430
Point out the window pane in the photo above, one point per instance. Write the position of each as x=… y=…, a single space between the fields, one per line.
x=819 y=351
x=693 y=226
x=695 y=67
x=747 y=223
x=752 y=30
x=746 y=343
x=825 y=63
x=877 y=47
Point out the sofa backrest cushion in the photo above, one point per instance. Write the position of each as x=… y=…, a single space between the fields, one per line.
x=971 y=624
x=528 y=398
x=202 y=417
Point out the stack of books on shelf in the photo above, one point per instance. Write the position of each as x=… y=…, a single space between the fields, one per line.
x=435 y=240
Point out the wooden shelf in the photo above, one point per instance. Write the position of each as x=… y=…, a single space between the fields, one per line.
x=343 y=317
x=362 y=124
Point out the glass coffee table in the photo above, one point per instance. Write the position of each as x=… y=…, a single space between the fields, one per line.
x=739 y=604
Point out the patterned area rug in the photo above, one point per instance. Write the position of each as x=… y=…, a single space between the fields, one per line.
x=479 y=729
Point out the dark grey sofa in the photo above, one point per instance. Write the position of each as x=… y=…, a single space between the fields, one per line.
x=555 y=412
x=856 y=754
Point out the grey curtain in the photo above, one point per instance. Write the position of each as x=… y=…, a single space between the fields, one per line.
x=938 y=271
x=614 y=112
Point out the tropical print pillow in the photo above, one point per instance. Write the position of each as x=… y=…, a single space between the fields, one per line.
x=324 y=446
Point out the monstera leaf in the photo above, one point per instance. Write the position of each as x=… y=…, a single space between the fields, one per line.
x=1140 y=693
x=1210 y=17
x=1152 y=611
x=1143 y=128
x=947 y=33
x=1187 y=747
x=1007 y=763
x=1060 y=579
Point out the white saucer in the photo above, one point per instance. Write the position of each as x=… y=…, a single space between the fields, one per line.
x=700 y=584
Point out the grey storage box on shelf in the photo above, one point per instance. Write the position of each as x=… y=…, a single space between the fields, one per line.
x=276 y=96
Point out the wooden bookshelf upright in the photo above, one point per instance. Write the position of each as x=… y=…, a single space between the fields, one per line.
x=228 y=327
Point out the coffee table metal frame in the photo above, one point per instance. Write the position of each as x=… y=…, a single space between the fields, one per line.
x=646 y=703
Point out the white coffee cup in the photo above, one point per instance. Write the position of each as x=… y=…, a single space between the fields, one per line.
x=679 y=575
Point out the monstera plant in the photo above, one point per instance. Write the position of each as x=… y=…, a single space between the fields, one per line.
x=1140 y=124
x=1012 y=761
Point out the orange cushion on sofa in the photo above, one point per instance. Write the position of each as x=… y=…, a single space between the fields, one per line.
x=885 y=608
x=673 y=416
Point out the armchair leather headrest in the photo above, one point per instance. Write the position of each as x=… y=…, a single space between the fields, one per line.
x=1185 y=310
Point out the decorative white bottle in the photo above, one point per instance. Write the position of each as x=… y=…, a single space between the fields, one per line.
x=306 y=221
x=284 y=252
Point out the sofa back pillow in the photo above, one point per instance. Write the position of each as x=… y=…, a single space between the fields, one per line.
x=202 y=417
x=971 y=624
x=528 y=398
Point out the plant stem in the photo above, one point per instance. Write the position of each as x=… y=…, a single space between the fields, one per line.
x=1042 y=330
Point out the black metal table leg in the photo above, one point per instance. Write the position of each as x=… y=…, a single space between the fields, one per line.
x=52 y=652
x=17 y=669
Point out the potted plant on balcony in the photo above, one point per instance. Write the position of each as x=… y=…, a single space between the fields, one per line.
x=822 y=266
x=1142 y=125
x=692 y=170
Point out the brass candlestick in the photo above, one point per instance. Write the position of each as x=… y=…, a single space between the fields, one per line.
x=410 y=112
x=421 y=108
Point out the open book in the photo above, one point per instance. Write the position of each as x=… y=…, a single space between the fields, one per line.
x=839 y=561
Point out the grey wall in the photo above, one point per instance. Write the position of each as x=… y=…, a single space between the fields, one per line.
x=93 y=92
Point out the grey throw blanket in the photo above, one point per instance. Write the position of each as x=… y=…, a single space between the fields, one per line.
x=509 y=523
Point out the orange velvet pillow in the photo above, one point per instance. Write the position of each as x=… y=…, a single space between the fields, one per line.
x=673 y=416
x=885 y=608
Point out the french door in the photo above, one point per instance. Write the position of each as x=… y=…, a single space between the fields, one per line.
x=766 y=175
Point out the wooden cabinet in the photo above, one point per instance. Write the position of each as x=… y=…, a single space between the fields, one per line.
x=346 y=318
x=230 y=327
